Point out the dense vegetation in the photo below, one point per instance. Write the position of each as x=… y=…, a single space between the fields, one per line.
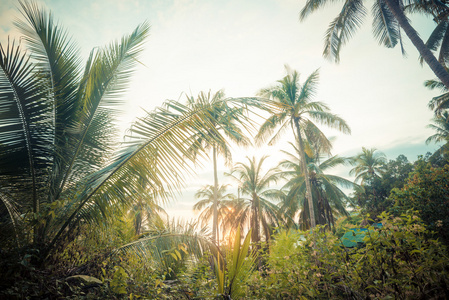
x=81 y=215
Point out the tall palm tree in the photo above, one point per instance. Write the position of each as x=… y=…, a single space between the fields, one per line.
x=224 y=119
x=206 y=200
x=388 y=19
x=59 y=165
x=369 y=165
x=255 y=207
x=329 y=199
x=300 y=112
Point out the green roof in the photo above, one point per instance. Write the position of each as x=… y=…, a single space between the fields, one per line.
x=353 y=237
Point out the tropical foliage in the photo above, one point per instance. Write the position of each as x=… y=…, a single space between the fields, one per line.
x=224 y=119
x=396 y=261
x=373 y=199
x=299 y=112
x=329 y=200
x=81 y=215
x=388 y=20
x=60 y=170
x=426 y=192
x=368 y=165
x=225 y=205
x=256 y=211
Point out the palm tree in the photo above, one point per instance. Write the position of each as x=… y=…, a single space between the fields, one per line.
x=59 y=165
x=441 y=126
x=254 y=207
x=206 y=197
x=389 y=18
x=439 y=38
x=369 y=165
x=299 y=112
x=439 y=103
x=223 y=119
x=329 y=199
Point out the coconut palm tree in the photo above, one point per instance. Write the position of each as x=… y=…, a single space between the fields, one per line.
x=388 y=19
x=369 y=164
x=329 y=199
x=224 y=119
x=441 y=126
x=254 y=208
x=60 y=167
x=301 y=113
x=206 y=203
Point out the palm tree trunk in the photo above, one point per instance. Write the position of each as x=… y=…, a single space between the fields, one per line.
x=215 y=217
x=306 y=175
x=255 y=221
x=426 y=54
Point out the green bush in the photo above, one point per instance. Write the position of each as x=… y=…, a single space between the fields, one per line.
x=396 y=261
x=427 y=192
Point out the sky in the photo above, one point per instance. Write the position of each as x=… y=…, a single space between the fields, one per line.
x=241 y=47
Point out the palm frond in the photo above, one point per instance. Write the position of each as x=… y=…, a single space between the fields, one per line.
x=105 y=81
x=308 y=91
x=330 y=120
x=269 y=126
x=26 y=122
x=10 y=220
x=385 y=25
x=57 y=62
x=443 y=57
x=310 y=7
x=158 y=245
x=342 y=28
x=159 y=148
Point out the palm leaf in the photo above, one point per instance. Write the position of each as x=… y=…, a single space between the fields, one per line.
x=385 y=25
x=343 y=27
x=25 y=114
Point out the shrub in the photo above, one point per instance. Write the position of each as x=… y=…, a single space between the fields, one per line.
x=396 y=261
x=427 y=192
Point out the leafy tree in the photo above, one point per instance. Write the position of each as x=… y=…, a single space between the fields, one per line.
x=256 y=210
x=374 y=198
x=369 y=164
x=426 y=192
x=224 y=119
x=388 y=19
x=300 y=112
x=396 y=172
x=329 y=199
